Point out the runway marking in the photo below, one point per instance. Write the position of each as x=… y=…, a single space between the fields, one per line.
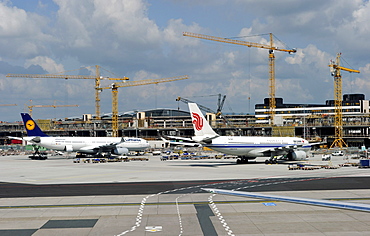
x=141 y=209
x=218 y=214
x=179 y=216
x=230 y=183
x=139 y=215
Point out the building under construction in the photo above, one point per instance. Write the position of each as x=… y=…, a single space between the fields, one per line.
x=314 y=122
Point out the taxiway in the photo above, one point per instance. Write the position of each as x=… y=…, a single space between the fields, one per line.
x=59 y=197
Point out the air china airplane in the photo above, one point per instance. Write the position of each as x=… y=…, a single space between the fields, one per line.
x=246 y=147
x=97 y=146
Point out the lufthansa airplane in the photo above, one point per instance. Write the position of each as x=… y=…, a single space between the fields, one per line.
x=97 y=146
x=247 y=147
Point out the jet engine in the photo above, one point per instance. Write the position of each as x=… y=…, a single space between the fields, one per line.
x=36 y=139
x=297 y=156
x=119 y=150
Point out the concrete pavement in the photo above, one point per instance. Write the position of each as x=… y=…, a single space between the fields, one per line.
x=175 y=205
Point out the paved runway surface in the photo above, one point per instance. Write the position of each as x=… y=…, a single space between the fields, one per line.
x=59 y=197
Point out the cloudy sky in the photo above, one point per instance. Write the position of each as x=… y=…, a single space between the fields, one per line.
x=142 y=39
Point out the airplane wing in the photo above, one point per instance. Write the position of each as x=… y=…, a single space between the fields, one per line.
x=112 y=148
x=180 y=138
x=278 y=150
x=32 y=139
x=89 y=148
x=16 y=138
x=180 y=141
x=102 y=148
x=205 y=139
x=287 y=148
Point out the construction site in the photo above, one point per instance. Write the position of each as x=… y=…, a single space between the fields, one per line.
x=341 y=122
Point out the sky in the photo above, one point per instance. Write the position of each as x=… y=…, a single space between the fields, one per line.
x=142 y=39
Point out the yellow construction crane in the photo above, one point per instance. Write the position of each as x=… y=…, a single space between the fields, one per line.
x=271 y=49
x=97 y=78
x=335 y=69
x=115 y=87
x=7 y=105
x=30 y=107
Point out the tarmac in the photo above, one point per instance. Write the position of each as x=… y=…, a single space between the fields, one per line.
x=59 y=197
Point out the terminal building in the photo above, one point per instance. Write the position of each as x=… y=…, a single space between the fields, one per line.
x=354 y=105
x=313 y=122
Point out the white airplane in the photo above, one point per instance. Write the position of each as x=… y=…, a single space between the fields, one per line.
x=97 y=146
x=247 y=147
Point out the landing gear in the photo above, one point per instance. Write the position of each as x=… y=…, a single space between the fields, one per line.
x=271 y=161
x=97 y=155
x=103 y=155
x=242 y=160
x=38 y=155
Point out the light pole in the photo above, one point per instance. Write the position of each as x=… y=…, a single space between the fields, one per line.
x=304 y=120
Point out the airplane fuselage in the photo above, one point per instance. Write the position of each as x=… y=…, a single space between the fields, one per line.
x=250 y=146
x=88 y=145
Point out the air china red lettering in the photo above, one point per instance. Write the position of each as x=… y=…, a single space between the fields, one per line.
x=197 y=121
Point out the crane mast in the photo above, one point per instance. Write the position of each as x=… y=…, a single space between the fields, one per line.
x=335 y=69
x=271 y=47
x=97 y=92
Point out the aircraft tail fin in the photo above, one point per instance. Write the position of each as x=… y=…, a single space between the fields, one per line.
x=31 y=127
x=200 y=124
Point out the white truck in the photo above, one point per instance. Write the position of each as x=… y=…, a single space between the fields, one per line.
x=338 y=153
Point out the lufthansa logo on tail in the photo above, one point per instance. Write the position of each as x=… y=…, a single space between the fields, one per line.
x=30 y=125
x=197 y=121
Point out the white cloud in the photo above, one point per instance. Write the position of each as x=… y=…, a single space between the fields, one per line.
x=21 y=32
x=15 y=22
x=334 y=25
x=310 y=56
x=357 y=83
x=46 y=63
x=125 y=38
x=114 y=29
x=365 y=70
x=356 y=27
x=296 y=59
